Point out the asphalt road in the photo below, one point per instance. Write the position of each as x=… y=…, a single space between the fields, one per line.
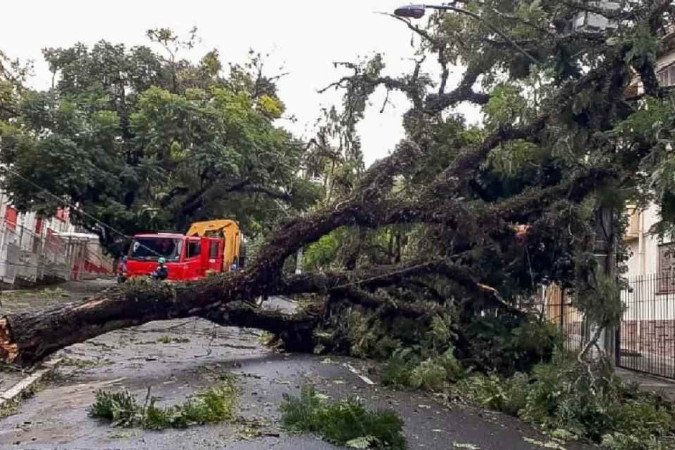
x=178 y=358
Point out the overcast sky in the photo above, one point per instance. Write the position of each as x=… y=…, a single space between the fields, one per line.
x=303 y=36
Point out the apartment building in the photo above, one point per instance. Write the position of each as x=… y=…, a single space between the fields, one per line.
x=36 y=250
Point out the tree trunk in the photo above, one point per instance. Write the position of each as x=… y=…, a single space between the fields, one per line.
x=26 y=338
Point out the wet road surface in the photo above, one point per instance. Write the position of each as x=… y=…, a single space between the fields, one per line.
x=177 y=358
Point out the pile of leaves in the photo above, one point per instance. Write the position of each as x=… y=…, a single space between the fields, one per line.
x=345 y=422
x=122 y=409
x=488 y=344
x=519 y=368
x=506 y=344
x=564 y=400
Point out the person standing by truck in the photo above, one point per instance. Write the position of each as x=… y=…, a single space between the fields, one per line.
x=161 y=272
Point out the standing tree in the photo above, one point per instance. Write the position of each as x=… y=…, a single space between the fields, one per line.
x=142 y=141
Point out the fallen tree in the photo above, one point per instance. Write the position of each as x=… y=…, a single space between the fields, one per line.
x=28 y=337
x=471 y=239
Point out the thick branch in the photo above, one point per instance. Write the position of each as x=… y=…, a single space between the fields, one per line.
x=383 y=276
x=384 y=304
x=464 y=92
x=196 y=200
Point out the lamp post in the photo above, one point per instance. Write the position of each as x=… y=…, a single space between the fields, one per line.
x=417 y=12
x=411 y=11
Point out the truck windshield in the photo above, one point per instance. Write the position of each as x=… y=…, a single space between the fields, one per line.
x=152 y=248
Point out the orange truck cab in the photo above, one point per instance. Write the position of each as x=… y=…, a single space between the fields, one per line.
x=208 y=247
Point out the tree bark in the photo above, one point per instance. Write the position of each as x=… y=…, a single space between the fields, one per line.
x=26 y=338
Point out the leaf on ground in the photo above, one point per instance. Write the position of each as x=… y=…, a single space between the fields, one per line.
x=550 y=444
x=465 y=445
x=360 y=442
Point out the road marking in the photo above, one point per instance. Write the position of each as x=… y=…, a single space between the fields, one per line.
x=364 y=378
x=20 y=387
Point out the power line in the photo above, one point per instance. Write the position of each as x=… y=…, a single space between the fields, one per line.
x=67 y=203
x=74 y=207
x=37 y=266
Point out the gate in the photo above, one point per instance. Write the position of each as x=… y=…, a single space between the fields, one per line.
x=646 y=336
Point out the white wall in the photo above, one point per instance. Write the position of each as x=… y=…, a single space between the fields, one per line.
x=644 y=251
x=30 y=255
x=647 y=301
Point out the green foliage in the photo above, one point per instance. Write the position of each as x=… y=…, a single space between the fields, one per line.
x=453 y=369
x=345 y=422
x=645 y=46
x=321 y=253
x=379 y=334
x=506 y=105
x=600 y=301
x=405 y=369
x=147 y=143
x=214 y=405
x=564 y=400
x=650 y=127
x=428 y=375
x=491 y=391
x=396 y=371
x=119 y=408
x=622 y=441
x=508 y=345
x=511 y=158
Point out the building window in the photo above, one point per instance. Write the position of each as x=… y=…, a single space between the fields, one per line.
x=11 y=217
x=666 y=76
x=39 y=224
x=213 y=254
x=666 y=274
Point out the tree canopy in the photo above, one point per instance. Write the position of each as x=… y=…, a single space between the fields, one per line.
x=146 y=141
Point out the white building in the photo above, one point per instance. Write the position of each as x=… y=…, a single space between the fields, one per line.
x=34 y=249
x=645 y=247
x=649 y=254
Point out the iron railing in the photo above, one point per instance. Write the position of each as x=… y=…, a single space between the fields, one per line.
x=646 y=337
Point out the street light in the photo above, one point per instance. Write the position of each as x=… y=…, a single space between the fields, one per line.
x=417 y=12
x=411 y=11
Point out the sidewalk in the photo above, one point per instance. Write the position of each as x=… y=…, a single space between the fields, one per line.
x=650 y=383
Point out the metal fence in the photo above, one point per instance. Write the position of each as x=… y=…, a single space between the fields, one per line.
x=646 y=336
x=29 y=257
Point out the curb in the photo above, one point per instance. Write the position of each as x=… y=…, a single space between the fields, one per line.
x=22 y=386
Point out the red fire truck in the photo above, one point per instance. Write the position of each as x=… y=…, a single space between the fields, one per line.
x=208 y=247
